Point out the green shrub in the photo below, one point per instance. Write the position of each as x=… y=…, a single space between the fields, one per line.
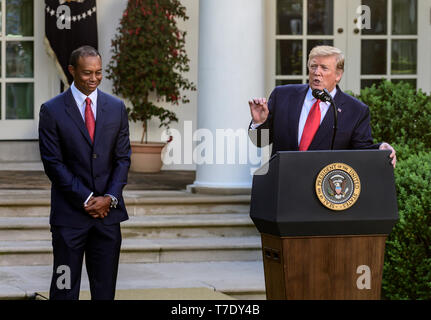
x=399 y=114
x=402 y=117
x=407 y=268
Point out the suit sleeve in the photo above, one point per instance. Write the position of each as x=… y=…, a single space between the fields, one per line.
x=52 y=158
x=262 y=135
x=121 y=158
x=362 y=138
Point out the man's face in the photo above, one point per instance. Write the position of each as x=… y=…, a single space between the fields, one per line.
x=323 y=73
x=87 y=74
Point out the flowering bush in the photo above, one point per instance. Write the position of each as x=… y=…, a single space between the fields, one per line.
x=149 y=56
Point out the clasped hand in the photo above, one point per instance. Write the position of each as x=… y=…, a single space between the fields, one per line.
x=98 y=207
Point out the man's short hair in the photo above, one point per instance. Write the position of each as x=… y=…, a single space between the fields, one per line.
x=84 y=51
x=325 y=51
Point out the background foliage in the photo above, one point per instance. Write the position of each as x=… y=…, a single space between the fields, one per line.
x=402 y=117
x=149 y=56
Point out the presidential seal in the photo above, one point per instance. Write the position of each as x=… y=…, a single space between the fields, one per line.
x=338 y=186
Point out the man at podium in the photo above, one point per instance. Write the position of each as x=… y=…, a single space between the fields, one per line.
x=296 y=120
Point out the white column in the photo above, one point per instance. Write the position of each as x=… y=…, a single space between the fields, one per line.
x=231 y=71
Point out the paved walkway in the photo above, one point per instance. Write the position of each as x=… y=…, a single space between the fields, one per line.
x=233 y=278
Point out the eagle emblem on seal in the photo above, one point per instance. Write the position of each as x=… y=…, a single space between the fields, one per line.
x=338 y=186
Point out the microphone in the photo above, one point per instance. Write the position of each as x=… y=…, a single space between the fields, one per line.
x=322 y=95
x=325 y=96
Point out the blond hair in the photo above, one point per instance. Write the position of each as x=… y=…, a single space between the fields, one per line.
x=325 y=51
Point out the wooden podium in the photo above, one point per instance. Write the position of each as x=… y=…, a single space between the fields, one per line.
x=317 y=249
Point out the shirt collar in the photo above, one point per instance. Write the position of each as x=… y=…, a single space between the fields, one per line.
x=80 y=97
x=309 y=95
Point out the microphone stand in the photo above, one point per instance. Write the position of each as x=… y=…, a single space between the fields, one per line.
x=335 y=117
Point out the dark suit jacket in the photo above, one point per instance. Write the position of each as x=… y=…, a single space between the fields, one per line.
x=285 y=106
x=75 y=166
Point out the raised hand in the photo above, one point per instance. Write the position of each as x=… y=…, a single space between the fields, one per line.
x=259 y=110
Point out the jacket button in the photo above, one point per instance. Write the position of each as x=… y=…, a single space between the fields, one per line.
x=95 y=156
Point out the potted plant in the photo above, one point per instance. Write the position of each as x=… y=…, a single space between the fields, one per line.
x=147 y=66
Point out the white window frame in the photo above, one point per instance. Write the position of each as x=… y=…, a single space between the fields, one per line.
x=350 y=43
x=46 y=82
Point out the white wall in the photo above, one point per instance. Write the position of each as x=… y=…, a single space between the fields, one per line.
x=109 y=13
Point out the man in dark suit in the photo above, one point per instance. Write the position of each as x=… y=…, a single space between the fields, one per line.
x=296 y=121
x=85 y=149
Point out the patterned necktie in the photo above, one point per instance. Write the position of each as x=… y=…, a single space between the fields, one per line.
x=311 y=126
x=89 y=119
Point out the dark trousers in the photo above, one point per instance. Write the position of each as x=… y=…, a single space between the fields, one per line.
x=101 y=245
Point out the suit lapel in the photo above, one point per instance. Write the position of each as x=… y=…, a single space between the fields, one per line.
x=297 y=102
x=324 y=133
x=101 y=113
x=73 y=112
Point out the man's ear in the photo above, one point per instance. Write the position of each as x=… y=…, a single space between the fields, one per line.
x=71 y=70
x=339 y=75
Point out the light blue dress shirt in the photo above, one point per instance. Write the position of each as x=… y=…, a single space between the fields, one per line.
x=308 y=104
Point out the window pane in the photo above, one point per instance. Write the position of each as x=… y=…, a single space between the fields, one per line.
x=19 y=101
x=320 y=17
x=289 y=57
x=412 y=82
x=289 y=17
x=373 y=57
x=379 y=19
x=369 y=82
x=284 y=82
x=404 y=17
x=19 y=59
x=19 y=17
x=404 y=56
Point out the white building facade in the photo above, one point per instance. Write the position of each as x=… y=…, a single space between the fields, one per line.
x=238 y=49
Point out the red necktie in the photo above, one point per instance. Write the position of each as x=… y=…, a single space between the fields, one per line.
x=311 y=126
x=89 y=119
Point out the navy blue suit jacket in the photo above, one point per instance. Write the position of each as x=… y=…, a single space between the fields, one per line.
x=76 y=166
x=285 y=106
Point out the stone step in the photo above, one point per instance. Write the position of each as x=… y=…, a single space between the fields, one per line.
x=31 y=253
x=239 y=279
x=155 y=226
x=36 y=203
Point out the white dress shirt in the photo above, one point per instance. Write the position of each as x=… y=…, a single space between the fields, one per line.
x=80 y=98
x=80 y=101
x=82 y=104
x=306 y=107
